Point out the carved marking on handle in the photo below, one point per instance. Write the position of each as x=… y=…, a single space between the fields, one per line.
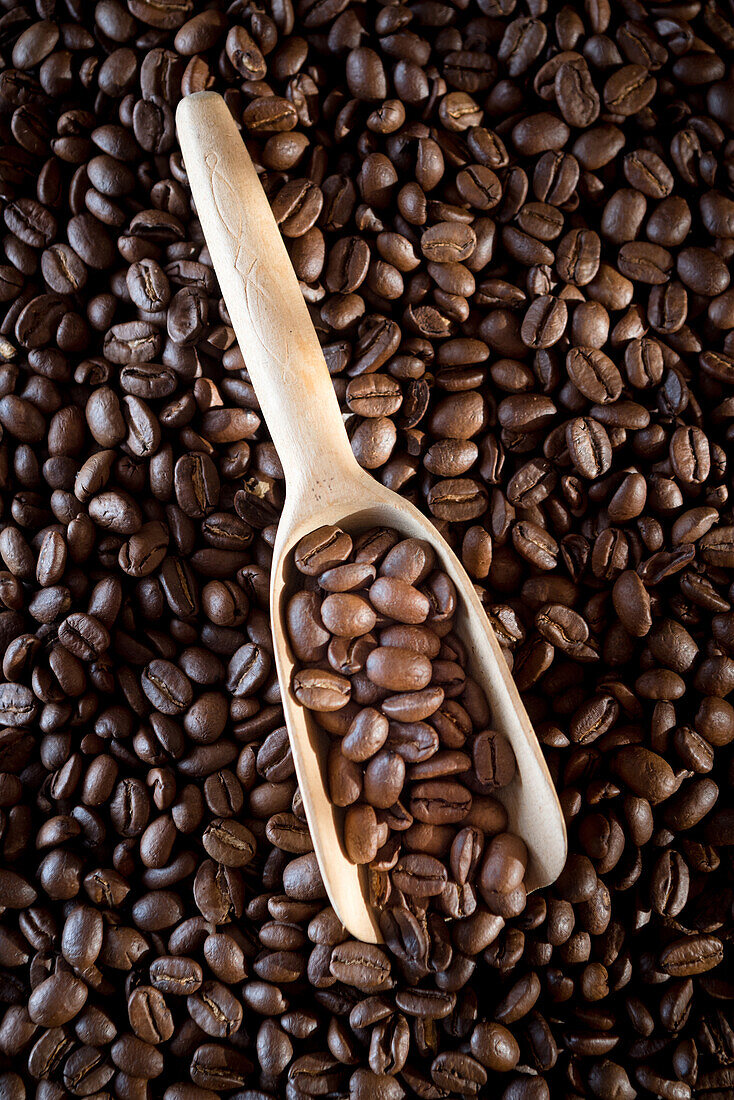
x=264 y=300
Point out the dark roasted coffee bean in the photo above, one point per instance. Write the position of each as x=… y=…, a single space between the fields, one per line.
x=691 y=955
x=589 y=446
x=544 y=322
x=594 y=374
x=577 y=258
x=363 y=965
x=168 y=689
x=229 y=842
x=56 y=1000
x=322 y=550
x=149 y=1015
x=419 y=875
x=575 y=93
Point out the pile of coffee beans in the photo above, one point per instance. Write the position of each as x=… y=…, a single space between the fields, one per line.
x=413 y=757
x=513 y=223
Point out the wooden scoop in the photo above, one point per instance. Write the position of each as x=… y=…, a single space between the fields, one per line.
x=325 y=485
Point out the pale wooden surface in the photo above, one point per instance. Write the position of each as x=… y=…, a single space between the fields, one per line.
x=326 y=485
x=273 y=326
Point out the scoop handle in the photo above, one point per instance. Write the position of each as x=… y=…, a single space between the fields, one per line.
x=270 y=318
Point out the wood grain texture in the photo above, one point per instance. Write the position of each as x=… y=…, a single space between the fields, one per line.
x=273 y=326
x=325 y=485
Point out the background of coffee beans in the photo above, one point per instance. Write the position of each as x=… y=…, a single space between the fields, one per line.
x=513 y=224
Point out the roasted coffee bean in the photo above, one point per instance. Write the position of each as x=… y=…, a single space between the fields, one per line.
x=347 y=615
x=391 y=596
x=690 y=455
x=229 y=842
x=150 y=1016
x=629 y=90
x=322 y=550
x=448 y=242
x=589 y=446
x=321 y=689
x=691 y=955
x=545 y=322
x=575 y=93
x=366 y=735
x=363 y=965
x=57 y=999
x=248 y=669
x=645 y=772
x=577 y=259
x=176 y=975
x=167 y=687
x=494 y=760
x=594 y=375
x=419 y=875
x=632 y=603
x=384 y=775
x=398 y=669
x=215 y=1010
x=362 y=833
